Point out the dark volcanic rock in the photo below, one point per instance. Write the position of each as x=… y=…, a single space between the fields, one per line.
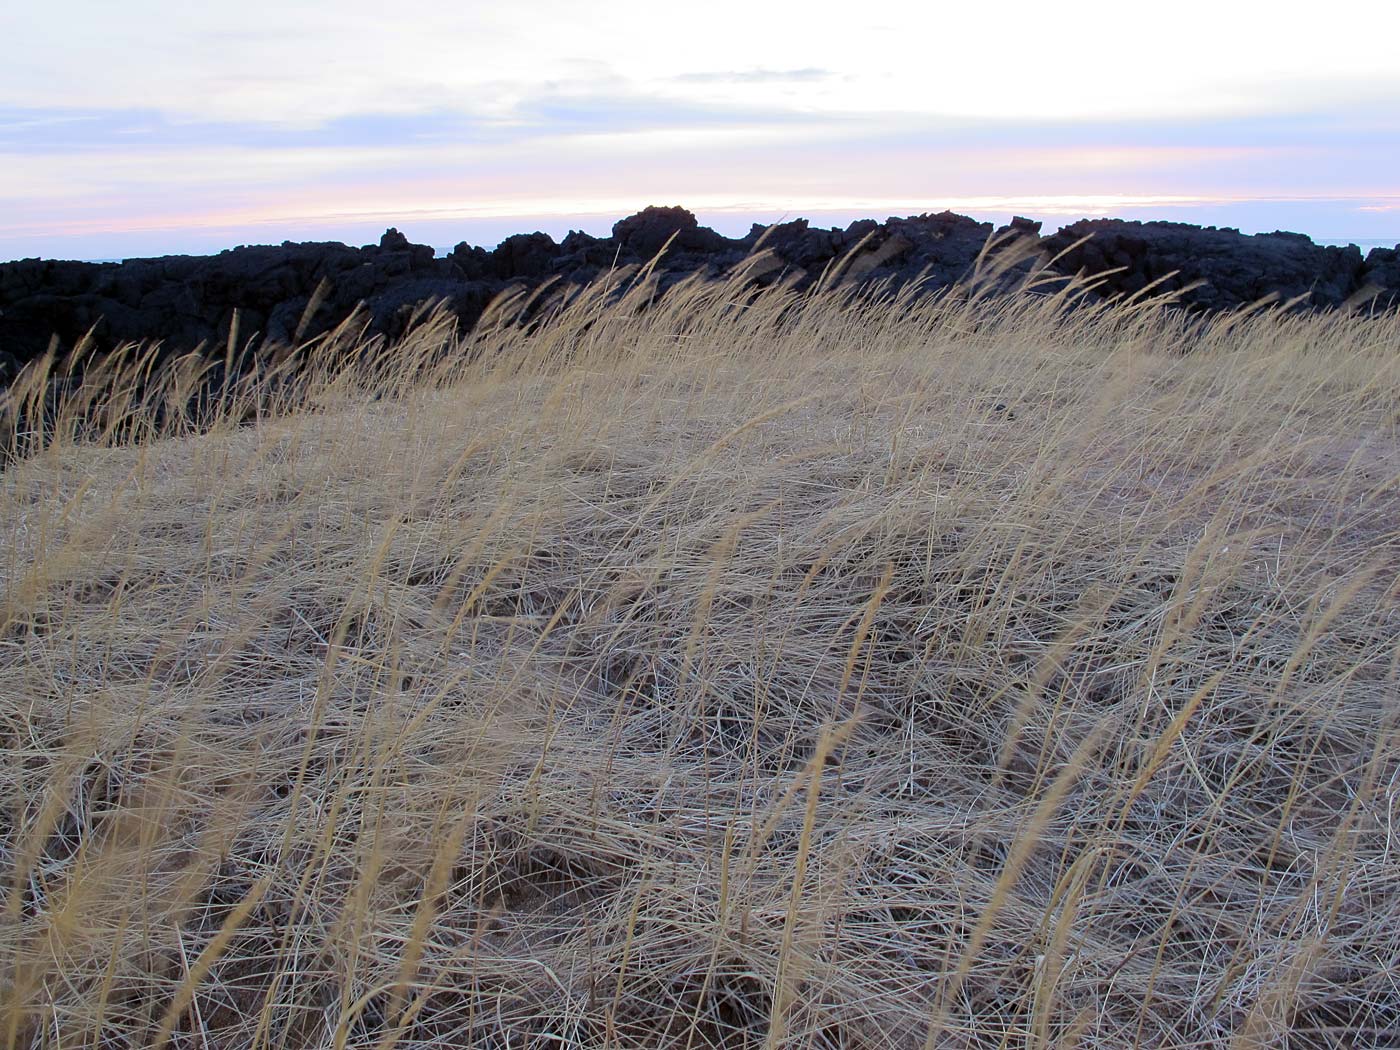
x=394 y=241
x=391 y=309
x=186 y=302
x=1233 y=269
x=946 y=244
x=1019 y=232
x=285 y=318
x=798 y=244
x=9 y=368
x=582 y=251
x=1380 y=276
x=472 y=263
x=647 y=232
x=524 y=255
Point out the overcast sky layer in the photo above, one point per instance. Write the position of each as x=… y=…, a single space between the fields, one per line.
x=155 y=126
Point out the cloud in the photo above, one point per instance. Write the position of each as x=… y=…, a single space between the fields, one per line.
x=756 y=76
x=96 y=130
x=569 y=108
x=309 y=61
x=607 y=106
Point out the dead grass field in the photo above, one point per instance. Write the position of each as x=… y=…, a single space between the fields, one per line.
x=786 y=672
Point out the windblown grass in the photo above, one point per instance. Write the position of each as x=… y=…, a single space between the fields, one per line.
x=806 y=672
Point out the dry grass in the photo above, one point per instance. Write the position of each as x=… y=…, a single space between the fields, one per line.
x=818 y=672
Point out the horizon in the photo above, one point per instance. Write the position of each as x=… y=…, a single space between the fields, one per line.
x=735 y=226
x=141 y=130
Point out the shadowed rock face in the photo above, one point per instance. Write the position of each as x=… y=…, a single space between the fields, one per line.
x=190 y=301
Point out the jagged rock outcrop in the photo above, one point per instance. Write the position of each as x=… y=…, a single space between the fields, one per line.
x=301 y=290
x=647 y=232
x=1232 y=269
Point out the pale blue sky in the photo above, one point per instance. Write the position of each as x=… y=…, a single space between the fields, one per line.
x=154 y=126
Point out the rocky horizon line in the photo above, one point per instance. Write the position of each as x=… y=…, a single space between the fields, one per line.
x=295 y=291
x=441 y=251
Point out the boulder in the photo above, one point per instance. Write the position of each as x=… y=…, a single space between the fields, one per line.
x=394 y=241
x=528 y=255
x=647 y=232
x=472 y=263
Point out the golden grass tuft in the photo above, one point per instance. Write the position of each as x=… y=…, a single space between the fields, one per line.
x=741 y=671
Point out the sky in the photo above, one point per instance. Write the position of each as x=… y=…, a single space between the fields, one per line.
x=148 y=127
